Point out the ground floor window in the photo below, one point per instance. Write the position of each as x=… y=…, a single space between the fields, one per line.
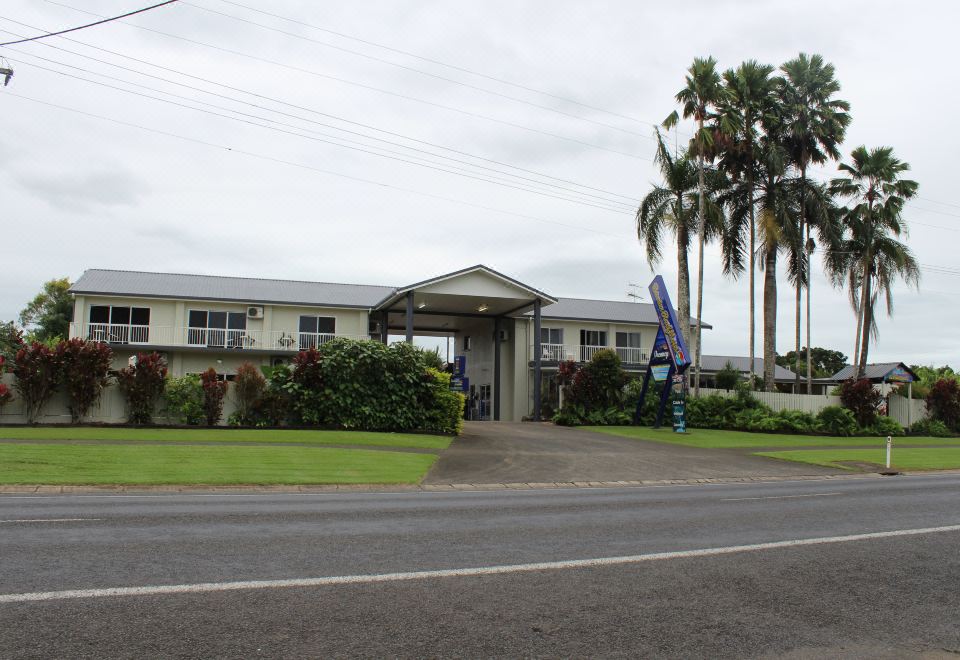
x=119 y=324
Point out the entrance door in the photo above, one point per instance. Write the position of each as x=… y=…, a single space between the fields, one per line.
x=485 y=409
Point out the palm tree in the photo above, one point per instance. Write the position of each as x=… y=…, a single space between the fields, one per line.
x=702 y=92
x=874 y=256
x=747 y=99
x=817 y=124
x=672 y=206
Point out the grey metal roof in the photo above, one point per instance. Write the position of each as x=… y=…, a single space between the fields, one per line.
x=872 y=371
x=581 y=309
x=714 y=363
x=239 y=289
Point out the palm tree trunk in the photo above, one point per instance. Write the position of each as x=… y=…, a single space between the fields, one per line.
x=806 y=246
x=770 y=319
x=683 y=282
x=753 y=266
x=700 y=240
x=803 y=224
x=796 y=362
x=867 y=322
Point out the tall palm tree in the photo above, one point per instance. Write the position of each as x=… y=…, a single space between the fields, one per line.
x=817 y=123
x=703 y=90
x=747 y=99
x=875 y=257
x=673 y=207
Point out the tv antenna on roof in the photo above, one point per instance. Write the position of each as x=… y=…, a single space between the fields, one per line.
x=634 y=292
x=6 y=71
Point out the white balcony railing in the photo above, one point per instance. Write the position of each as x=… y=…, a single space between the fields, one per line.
x=584 y=353
x=216 y=338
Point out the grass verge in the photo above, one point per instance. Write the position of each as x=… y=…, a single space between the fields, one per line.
x=942 y=458
x=206 y=464
x=226 y=435
x=714 y=439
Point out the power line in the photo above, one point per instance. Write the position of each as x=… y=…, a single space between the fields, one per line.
x=83 y=27
x=427 y=164
x=311 y=168
x=415 y=99
x=454 y=67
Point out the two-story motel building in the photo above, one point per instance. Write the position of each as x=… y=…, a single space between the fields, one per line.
x=511 y=334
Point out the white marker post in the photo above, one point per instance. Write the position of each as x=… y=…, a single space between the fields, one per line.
x=889 y=450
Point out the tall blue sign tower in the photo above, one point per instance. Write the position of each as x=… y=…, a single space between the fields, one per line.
x=669 y=360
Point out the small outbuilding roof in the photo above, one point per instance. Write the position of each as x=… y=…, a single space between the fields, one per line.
x=714 y=363
x=612 y=311
x=884 y=372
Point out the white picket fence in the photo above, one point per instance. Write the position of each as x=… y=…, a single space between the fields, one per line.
x=906 y=411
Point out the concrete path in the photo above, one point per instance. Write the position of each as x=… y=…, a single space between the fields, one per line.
x=504 y=452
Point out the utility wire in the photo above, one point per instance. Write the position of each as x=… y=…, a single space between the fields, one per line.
x=88 y=25
x=630 y=199
x=380 y=90
x=311 y=168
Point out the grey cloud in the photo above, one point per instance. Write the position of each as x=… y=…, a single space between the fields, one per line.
x=83 y=191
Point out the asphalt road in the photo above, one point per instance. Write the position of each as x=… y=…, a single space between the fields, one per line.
x=884 y=596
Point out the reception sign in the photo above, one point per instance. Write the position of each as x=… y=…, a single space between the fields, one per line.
x=669 y=328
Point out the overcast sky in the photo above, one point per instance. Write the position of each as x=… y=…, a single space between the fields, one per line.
x=84 y=185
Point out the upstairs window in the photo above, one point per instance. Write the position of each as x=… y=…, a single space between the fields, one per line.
x=216 y=329
x=593 y=338
x=551 y=335
x=628 y=340
x=316 y=330
x=119 y=324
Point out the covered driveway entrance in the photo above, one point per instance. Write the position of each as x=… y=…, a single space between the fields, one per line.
x=484 y=311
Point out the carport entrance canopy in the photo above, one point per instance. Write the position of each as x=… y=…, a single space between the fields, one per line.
x=478 y=292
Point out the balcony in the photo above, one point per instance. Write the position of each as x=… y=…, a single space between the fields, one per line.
x=273 y=341
x=583 y=353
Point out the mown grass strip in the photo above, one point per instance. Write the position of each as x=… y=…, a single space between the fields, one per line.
x=133 y=464
x=942 y=458
x=715 y=439
x=306 y=436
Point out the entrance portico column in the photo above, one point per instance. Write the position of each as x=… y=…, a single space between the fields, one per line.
x=497 y=325
x=409 y=317
x=537 y=354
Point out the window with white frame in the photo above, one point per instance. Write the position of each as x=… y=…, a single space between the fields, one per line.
x=593 y=338
x=216 y=329
x=316 y=330
x=628 y=347
x=119 y=324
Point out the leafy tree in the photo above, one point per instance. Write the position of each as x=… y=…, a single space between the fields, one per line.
x=871 y=257
x=50 y=312
x=11 y=341
x=943 y=402
x=825 y=361
x=817 y=125
x=86 y=372
x=699 y=97
x=184 y=399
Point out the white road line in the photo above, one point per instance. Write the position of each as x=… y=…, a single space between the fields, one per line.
x=43 y=520
x=205 y=587
x=777 y=497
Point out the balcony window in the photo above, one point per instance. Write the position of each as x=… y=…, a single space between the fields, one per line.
x=215 y=329
x=316 y=330
x=593 y=338
x=628 y=347
x=551 y=344
x=117 y=324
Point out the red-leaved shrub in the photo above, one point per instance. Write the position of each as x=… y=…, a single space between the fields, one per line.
x=213 y=393
x=86 y=373
x=943 y=402
x=143 y=383
x=37 y=372
x=862 y=399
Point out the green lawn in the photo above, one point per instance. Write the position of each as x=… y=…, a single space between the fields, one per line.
x=903 y=459
x=713 y=439
x=206 y=464
x=226 y=435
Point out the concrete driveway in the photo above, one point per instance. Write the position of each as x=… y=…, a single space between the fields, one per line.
x=505 y=452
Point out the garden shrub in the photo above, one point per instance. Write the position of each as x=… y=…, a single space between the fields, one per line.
x=862 y=399
x=884 y=426
x=85 y=368
x=596 y=394
x=142 y=384
x=249 y=386
x=366 y=385
x=943 y=402
x=11 y=341
x=5 y=394
x=184 y=399
x=930 y=427
x=37 y=371
x=728 y=377
x=213 y=392
x=835 y=420
x=796 y=421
